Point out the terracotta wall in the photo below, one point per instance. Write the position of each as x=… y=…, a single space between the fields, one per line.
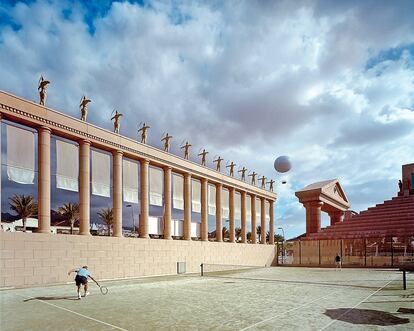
x=31 y=259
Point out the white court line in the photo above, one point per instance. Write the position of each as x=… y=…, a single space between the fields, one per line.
x=336 y=319
x=74 y=312
x=285 y=312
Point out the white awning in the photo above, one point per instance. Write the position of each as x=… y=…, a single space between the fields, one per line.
x=156 y=186
x=258 y=210
x=101 y=174
x=67 y=166
x=130 y=181
x=195 y=230
x=196 y=195
x=248 y=208
x=178 y=192
x=20 y=155
x=237 y=206
x=225 y=203
x=211 y=200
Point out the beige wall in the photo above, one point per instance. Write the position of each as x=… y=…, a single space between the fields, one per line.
x=32 y=259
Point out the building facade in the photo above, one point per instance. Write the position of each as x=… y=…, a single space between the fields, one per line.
x=58 y=159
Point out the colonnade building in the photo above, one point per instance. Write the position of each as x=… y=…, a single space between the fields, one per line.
x=59 y=159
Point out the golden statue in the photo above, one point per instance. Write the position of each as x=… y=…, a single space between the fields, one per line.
x=231 y=166
x=263 y=180
x=42 y=87
x=84 y=108
x=218 y=161
x=143 y=131
x=271 y=185
x=166 y=141
x=253 y=175
x=243 y=173
x=203 y=157
x=116 y=121
x=186 y=148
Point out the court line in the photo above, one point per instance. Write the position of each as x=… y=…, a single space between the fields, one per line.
x=74 y=312
x=346 y=312
x=285 y=312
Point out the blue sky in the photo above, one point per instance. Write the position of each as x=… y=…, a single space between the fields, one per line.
x=328 y=83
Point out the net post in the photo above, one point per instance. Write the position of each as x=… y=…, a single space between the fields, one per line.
x=404 y=280
x=202 y=269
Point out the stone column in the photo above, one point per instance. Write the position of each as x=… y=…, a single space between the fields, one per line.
x=167 y=203
x=117 y=193
x=143 y=220
x=313 y=216
x=231 y=214
x=336 y=216
x=84 y=187
x=271 y=223
x=204 y=209
x=219 y=234
x=262 y=221
x=243 y=216
x=44 y=179
x=187 y=207
x=253 y=211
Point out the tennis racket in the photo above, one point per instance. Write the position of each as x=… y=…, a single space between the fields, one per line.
x=104 y=289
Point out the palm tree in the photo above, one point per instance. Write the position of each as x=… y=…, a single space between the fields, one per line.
x=225 y=232
x=279 y=238
x=107 y=216
x=237 y=232
x=70 y=211
x=24 y=206
x=259 y=231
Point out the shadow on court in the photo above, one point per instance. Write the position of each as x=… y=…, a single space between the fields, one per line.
x=53 y=298
x=365 y=316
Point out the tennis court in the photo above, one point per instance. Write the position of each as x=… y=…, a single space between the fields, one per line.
x=251 y=299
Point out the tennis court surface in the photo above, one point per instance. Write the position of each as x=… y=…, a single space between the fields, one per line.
x=252 y=299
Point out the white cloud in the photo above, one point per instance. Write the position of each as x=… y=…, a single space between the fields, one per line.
x=246 y=80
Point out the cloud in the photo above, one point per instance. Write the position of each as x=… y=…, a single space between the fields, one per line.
x=328 y=83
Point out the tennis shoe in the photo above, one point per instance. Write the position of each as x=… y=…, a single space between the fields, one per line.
x=86 y=294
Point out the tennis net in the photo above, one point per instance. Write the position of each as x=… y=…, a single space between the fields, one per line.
x=208 y=269
x=305 y=276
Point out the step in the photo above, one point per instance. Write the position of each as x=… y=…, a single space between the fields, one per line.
x=370 y=234
x=373 y=225
x=373 y=222
x=388 y=208
x=391 y=206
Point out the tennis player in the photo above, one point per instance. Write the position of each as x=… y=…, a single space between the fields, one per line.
x=338 y=262
x=81 y=278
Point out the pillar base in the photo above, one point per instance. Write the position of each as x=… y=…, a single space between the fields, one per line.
x=44 y=231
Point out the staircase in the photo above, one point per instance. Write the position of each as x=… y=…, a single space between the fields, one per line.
x=392 y=217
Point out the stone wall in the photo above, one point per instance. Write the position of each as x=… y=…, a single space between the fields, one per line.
x=32 y=259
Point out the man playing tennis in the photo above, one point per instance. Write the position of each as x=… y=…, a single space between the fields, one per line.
x=81 y=278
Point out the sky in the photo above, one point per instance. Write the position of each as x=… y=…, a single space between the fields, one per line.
x=328 y=83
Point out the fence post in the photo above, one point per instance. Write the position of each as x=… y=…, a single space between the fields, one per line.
x=202 y=269
x=365 y=251
x=319 y=251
